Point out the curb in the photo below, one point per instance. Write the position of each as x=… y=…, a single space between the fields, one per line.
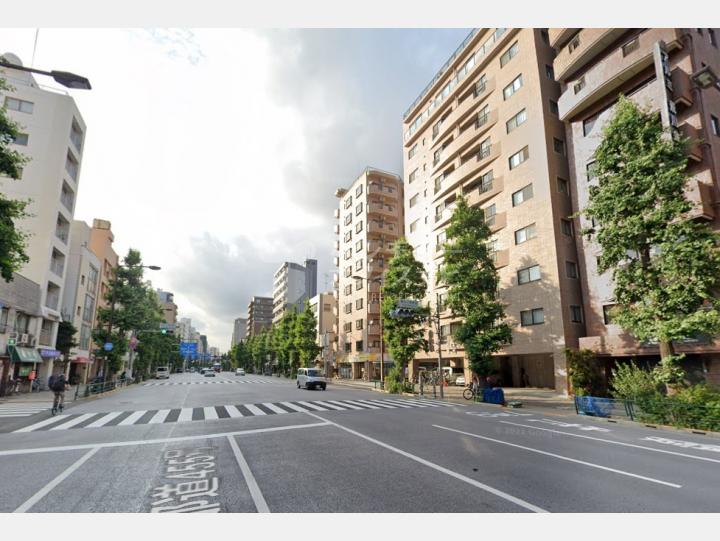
x=694 y=431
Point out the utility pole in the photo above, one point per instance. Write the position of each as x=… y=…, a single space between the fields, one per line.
x=437 y=323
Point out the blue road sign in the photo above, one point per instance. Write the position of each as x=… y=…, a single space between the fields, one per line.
x=188 y=349
x=108 y=346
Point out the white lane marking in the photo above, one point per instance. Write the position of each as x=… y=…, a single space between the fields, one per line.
x=345 y=405
x=561 y=457
x=185 y=415
x=294 y=407
x=233 y=411
x=273 y=407
x=445 y=402
x=44 y=491
x=254 y=409
x=442 y=469
x=685 y=444
x=360 y=403
x=210 y=413
x=417 y=403
x=36 y=450
x=329 y=405
x=378 y=403
x=41 y=424
x=393 y=403
x=130 y=419
x=104 y=419
x=73 y=422
x=159 y=417
x=258 y=499
x=311 y=406
x=624 y=444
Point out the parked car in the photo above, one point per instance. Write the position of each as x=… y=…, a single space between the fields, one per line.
x=460 y=380
x=162 y=372
x=310 y=378
x=209 y=373
x=239 y=371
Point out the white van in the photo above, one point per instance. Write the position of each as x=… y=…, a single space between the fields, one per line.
x=162 y=372
x=309 y=378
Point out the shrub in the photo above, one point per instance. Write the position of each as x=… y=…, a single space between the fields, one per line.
x=630 y=382
x=584 y=372
x=395 y=384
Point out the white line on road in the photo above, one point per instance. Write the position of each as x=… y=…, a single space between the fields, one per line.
x=363 y=404
x=156 y=441
x=42 y=423
x=329 y=405
x=311 y=406
x=706 y=459
x=393 y=403
x=185 y=415
x=273 y=407
x=104 y=419
x=254 y=409
x=345 y=405
x=437 y=467
x=294 y=407
x=260 y=503
x=40 y=494
x=561 y=457
x=159 y=417
x=233 y=411
x=130 y=419
x=210 y=413
x=73 y=422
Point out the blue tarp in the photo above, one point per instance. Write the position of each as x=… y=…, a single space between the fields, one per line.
x=493 y=395
x=593 y=405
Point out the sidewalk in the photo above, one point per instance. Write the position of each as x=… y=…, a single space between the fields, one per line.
x=41 y=396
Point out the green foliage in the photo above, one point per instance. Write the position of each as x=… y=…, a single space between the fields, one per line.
x=394 y=382
x=65 y=338
x=12 y=240
x=404 y=279
x=630 y=382
x=305 y=336
x=584 y=372
x=665 y=267
x=472 y=280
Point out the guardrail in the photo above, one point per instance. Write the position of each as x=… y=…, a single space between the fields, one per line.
x=84 y=390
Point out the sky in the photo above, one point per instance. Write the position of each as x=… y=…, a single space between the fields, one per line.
x=216 y=152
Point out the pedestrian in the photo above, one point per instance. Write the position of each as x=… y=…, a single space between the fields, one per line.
x=524 y=379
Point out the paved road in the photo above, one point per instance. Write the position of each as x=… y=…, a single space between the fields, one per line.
x=255 y=443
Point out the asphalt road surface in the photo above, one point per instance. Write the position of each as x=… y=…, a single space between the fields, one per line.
x=259 y=444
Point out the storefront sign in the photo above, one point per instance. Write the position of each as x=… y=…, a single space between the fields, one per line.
x=50 y=353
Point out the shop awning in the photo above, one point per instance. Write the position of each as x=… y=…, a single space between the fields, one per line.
x=81 y=360
x=24 y=355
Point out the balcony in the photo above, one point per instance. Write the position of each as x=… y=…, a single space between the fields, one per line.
x=478 y=195
x=463 y=140
x=444 y=217
x=496 y=222
x=382 y=228
x=67 y=199
x=336 y=213
x=373 y=308
x=382 y=189
x=695 y=144
x=466 y=107
x=702 y=195
x=467 y=169
x=374 y=269
x=336 y=229
x=336 y=244
x=52 y=300
x=558 y=36
x=375 y=247
x=382 y=209
x=373 y=287
x=62 y=232
x=57 y=266
x=590 y=42
x=501 y=258
x=682 y=88
x=613 y=71
x=373 y=329
x=336 y=261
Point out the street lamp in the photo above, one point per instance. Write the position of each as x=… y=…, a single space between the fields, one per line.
x=70 y=80
x=379 y=280
x=112 y=306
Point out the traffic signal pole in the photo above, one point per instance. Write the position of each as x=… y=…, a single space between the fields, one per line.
x=437 y=323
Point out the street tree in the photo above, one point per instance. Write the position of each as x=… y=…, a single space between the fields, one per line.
x=472 y=281
x=404 y=279
x=13 y=241
x=65 y=340
x=665 y=266
x=305 y=336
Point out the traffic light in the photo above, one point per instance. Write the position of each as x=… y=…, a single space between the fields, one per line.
x=163 y=331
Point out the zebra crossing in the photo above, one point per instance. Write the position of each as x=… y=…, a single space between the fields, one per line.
x=19 y=409
x=215 y=381
x=230 y=411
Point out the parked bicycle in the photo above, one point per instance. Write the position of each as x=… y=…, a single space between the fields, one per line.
x=471 y=392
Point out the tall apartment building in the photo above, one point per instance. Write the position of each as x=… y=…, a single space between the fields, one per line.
x=260 y=315
x=239 y=330
x=487 y=128
x=52 y=133
x=673 y=71
x=322 y=306
x=293 y=284
x=80 y=298
x=183 y=328
x=370 y=220
x=169 y=308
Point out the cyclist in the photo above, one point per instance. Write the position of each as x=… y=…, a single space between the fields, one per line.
x=59 y=386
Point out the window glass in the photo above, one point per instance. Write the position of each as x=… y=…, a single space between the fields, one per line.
x=522 y=195
x=513 y=87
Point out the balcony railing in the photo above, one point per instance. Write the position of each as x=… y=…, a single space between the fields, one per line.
x=52 y=300
x=57 y=267
x=62 y=234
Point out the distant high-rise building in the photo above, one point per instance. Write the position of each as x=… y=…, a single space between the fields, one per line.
x=239 y=330
x=322 y=306
x=169 y=308
x=293 y=284
x=260 y=315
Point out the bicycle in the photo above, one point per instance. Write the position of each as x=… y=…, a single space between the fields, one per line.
x=471 y=392
x=58 y=403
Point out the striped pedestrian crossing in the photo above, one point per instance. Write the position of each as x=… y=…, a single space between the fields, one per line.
x=216 y=382
x=20 y=409
x=211 y=413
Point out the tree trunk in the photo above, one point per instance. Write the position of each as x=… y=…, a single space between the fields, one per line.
x=667 y=350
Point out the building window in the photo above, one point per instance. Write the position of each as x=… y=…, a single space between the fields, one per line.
x=608 y=313
x=348 y=202
x=358 y=209
x=359 y=190
x=413 y=226
x=509 y=54
x=554 y=107
x=591 y=170
x=630 y=46
x=359 y=324
x=589 y=124
x=563 y=186
x=359 y=264
x=516 y=121
x=566 y=226
x=513 y=87
x=575 y=314
x=530 y=274
x=14 y=104
x=358 y=304
x=519 y=157
x=713 y=40
x=347 y=327
x=436 y=129
x=412 y=176
x=348 y=236
x=348 y=289
x=549 y=72
x=348 y=219
x=359 y=245
x=525 y=234
x=348 y=271
x=715 y=125
x=348 y=308
x=85 y=337
x=358 y=227
x=489 y=214
x=348 y=345
x=412 y=151
x=574 y=43
x=522 y=195
x=348 y=254
x=414 y=200
x=359 y=345
x=536 y=316
x=21 y=139
x=88 y=309
x=571 y=269
x=358 y=284
x=579 y=85
x=559 y=146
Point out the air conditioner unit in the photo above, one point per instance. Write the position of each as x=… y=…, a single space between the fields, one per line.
x=23 y=339
x=32 y=340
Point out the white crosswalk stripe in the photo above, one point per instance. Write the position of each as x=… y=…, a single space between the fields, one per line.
x=194 y=414
x=19 y=409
